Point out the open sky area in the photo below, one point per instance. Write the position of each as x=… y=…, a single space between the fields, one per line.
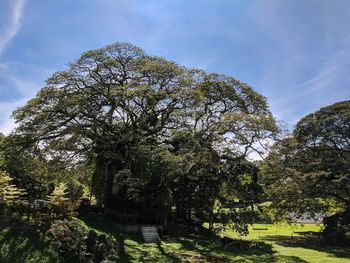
x=296 y=53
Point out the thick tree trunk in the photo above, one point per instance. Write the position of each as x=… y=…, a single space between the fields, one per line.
x=99 y=180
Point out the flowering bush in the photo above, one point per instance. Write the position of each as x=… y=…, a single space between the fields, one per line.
x=68 y=237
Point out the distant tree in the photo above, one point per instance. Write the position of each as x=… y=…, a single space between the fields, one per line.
x=286 y=186
x=4 y=183
x=28 y=169
x=75 y=189
x=324 y=151
x=11 y=197
x=324 y=142
x=61 y=204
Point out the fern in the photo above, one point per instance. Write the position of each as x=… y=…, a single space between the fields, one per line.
x=10 y=192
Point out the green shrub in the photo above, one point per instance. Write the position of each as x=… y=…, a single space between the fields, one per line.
x=75 y=190
x=337 y=228
x=101 y=247
x=65 y=208
x=75 y=243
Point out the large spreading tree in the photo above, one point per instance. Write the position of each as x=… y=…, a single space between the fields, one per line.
x=156 y=134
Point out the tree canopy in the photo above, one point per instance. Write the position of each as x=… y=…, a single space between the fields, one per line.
x=156 y=133
x=324 y=139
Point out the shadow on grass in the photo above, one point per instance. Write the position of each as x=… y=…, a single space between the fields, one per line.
x=134 y=249
x=170 y=256
x=24 y=245
x=309 y=240
x=265 y=255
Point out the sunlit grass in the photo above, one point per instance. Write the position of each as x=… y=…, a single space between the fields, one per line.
x=172 y=249
x=287 y=230
x=296 y=240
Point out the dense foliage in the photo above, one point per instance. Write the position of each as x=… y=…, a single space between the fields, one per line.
x=155 y=134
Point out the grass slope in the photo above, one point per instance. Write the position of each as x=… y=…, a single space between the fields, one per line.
x=19 y=245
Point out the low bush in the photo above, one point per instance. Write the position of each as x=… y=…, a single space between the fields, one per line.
x=75 y=190
x=101 y=247
x=337 y=228
x=68 y=238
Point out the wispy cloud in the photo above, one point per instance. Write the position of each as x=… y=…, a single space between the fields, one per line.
x=295 y=54
x=327 y=86
x=11 y=29
x=14 y=24
x=25 y=85
x=310 y=57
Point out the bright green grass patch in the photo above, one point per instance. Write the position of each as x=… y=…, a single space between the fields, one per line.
x=294 y=240
x=276 y=230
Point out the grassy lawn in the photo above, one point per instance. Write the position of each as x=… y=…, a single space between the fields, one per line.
x=297 y=241
x=17 y=246
x=285 y=247
x=174 y=249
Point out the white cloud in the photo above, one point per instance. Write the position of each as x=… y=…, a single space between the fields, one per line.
x=14 y=24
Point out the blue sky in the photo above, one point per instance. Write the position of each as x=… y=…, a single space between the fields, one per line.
x=296 y=53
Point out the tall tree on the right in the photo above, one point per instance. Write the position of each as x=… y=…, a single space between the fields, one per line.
x=314 y=164
x=324 y=145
